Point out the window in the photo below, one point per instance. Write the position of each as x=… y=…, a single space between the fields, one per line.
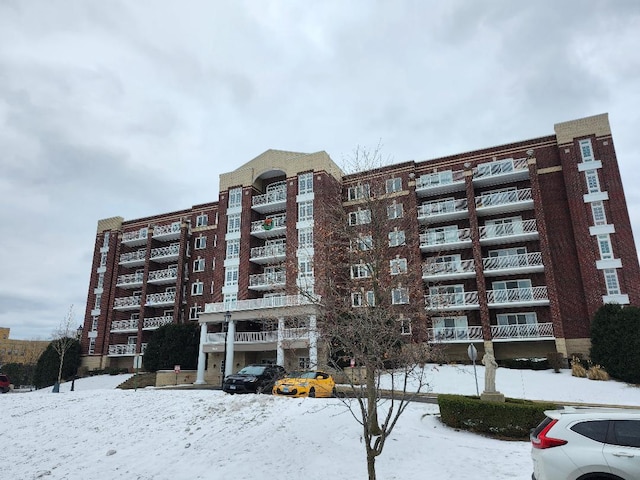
x=360 y=217
x=362 y=243
x=604 y=243
x=586 y=150
x=230 y=301
x=405 y=326
x=197 y=288
x=359 y=192
x=305 y=183
x=395 y=210
x=363 y=299
x=233 y=248
x=626 y=433
x=194 y=312
x=512 y=291
x=593 y=184
x=305 y=267
x=105 y=240
x=103 y=259
x=200 y=243
x=398 y=266
x=94 y=324
x=450 y=328
x=202 y=220
x=448 y=234
x=98 y=301
x=198 y=265
x=304 y=363
x=100 y=280
x=231 y=276
x=305 y=211
x=305 y=238
x=526 y=318
x=599 y=217
x=235 y=197
x=393 y=185
x=399 y=296
x=92 y=346
x=595 y=430
x=446 y=295
x=611 y=281
x=362 y=270
x=396 y=238
x=233 y=223
x=504 y=226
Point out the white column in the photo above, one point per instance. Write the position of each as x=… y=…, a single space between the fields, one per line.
x=202 y=357
x=231 y=335
x=313 y=342
x=280 y=344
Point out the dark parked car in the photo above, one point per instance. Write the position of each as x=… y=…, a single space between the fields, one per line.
x=253 y=379
x=5 y=385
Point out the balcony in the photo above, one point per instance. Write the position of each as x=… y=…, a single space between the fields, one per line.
x=249 y=306
x=166 y=254
x=527 y=331
x=513 y=264
x=131 y=280
x=443 y=210
x=452 y=301
x=518 y=297
x=125 y=350
x=454 y=334
x=127 y=303
x=133 y=259
x=440 y=182
x=269 y=253
x=275 y=226
x=267 y=281
x=154 y=323
x=135 y=238
x=432 y=271
x=161 y=299
x=434 y=241
x=272 y=201
x=501 y=171
x=496 y=203
x=166 y=233
x=256 y=341
x=124 y=326
x=162 y=277
x=503 y=233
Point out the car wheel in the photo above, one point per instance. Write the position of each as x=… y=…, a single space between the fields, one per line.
x=312 y=392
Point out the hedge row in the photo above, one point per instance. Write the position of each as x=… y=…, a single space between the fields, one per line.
x=513 y=419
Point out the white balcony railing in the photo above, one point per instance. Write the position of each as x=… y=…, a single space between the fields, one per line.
x=269 y=251
x=163 y=298
x=124 y=325
x=522 y=331
x=440 y=182
x=452 y=301
x=269 y=224
x=513 y=262
x=170 y=251
x=505 y=197
x=443 y=209
x=454 y=334
x=274 y=196
x=127 y=302
x=501 y=167
x=433 y=240
x=125 y=349
x=165 y=274
x=130 y=279
x=269 y=336
x=130 y=257
x=267 y=279
x=526 y=295
x=261 y=303
x=512 y=229
x=448 y=268
x=171 y=230
x=137 y=237
x=156 y=322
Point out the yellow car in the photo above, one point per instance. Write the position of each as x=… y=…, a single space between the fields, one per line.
x=306 y=384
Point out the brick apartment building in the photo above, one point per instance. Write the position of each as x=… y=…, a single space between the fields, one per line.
x=519 y=245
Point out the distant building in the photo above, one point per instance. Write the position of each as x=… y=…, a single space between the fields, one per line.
x=520 y=245
x=20 y=351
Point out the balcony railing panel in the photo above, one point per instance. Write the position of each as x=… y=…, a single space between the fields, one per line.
x=269 y=336
x=449 y=269
x=522 y=331
x=132 y=258
x=507 y=232
x=267 y=279
x=137 y=237
x=527 y=295
x=272 y=226
x=440 y=182
x=167 y=232
x=275 y=196
x=500 y=171
x=130 y=280
x=163 y=276
x=521 y=262
x=125 y=349
x=156 y=322
x=430 y=241
x=161 y=298
x=268 y=253
x=165 y=254
x=260 y=303
x=127 y=303
x=124 y=325
x=452 y=301
x=446 y=209
x=454 y=334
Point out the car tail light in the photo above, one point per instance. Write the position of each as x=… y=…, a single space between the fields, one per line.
x=542 y=441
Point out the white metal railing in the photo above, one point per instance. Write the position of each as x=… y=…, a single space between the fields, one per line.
x=508 y=229
x=442 y=238
x=517 y=295
x=269 y=251
x=439 y=178
x=155 y=322
x=444 y=268
x=500 y=167
x=269 y=336
x=132 y=301
x=160 y=230
x=130 y=324
x=135 y=235
x=126 y=349
x=269 y=223
x=132 y=256
x=260 y=303
x=130 y=278
x=274 y=196
x=168 y=251
x=451 y=300
x=165 y=274
x=164 y=297
x=439 y=207
x=505 y=197
x=526 y=330
x=452 y=334
x=263 y=279
x=532 y=259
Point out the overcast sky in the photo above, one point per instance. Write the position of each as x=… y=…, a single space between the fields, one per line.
x=130 y=108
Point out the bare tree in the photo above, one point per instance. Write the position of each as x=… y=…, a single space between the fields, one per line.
x=372 y=307
x=63 y=339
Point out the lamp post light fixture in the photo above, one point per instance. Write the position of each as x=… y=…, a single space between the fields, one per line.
x=225 y=327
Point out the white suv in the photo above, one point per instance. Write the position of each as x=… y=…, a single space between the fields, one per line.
x=587 y=444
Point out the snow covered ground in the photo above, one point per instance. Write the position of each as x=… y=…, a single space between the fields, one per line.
x=102 y=433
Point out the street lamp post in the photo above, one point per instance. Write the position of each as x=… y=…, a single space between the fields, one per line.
x=225 y=326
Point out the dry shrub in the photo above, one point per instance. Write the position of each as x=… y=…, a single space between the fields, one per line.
x=577 y=370
x=596 y=372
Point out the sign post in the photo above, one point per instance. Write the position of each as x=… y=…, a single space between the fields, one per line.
x=473 y=356
x=176 y=369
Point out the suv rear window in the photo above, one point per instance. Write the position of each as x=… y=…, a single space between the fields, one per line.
x=595 y=429
x=626 y=433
